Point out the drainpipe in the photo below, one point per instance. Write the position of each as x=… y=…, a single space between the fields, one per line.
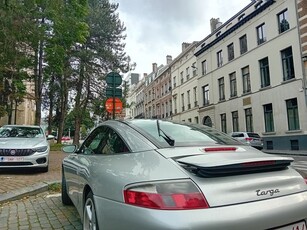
x=303 y=58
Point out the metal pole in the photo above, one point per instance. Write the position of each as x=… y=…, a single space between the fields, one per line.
x=113 y=96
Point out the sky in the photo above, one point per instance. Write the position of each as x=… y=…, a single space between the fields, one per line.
x=157 y=28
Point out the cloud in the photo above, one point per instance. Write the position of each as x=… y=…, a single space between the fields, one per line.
x=156 y=28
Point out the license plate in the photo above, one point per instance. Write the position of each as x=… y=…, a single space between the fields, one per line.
x=297 y=226
x=11 y=159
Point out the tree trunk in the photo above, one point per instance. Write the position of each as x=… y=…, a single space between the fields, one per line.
x=38 y=73
x=51 y=105
x=78 y=110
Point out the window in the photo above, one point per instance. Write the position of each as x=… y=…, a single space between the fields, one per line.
x=294 y=144
x=174 y=81
x=259 y=4
x=292 y=113
x=181 y=77
x=283 y=23
x=218 y=34
x=269 y=145
x=261 y=34
x=114 y=144
x=207 y=121
x=206 y=95
x=287 y=64
x=243 y=44
x=194 y=69
x=187 y=73
x=195 y=96
x=95 y=141
x=241 y=17
x=246 y=80
x=189 y=99
x=175 y=104
x=231 y=52
x=196 y=120
x=249 y=120
x=182 y=101
x=204 y=67
x=268 y=118
x=235 y=121
x=264 y=72
x=233 y=84
x=219 y=56
x=221 y=88
x=223 y=123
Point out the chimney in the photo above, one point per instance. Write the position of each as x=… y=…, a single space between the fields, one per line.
x=154 y=67
x=214 y=24
x=185 y=45
x=169 y=59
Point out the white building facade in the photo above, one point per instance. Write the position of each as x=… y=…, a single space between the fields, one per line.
x=251 y=75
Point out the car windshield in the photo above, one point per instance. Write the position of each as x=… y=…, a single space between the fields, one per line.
x=183 y=134
x=20 y=132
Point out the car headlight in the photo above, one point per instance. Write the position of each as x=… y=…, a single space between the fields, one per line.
x=40 y=149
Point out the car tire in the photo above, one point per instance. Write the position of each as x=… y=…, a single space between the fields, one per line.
x=89 y=213
x=65 y=198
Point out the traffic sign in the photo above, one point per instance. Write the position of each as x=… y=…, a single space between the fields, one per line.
x=116 y=93
x=113 y=79
x=110 y=105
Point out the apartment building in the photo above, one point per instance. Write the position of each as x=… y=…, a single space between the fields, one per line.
x=252 y=73
x=184 y=85
x=157 y=91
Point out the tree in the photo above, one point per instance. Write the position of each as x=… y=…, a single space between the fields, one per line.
x=69 y=28
x=102 y=52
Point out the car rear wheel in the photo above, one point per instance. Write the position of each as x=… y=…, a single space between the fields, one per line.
x=65 y=198
x=89 y=214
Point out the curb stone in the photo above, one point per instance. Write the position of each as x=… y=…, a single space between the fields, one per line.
x=28 y=191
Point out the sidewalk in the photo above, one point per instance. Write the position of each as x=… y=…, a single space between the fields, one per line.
x=20 y=183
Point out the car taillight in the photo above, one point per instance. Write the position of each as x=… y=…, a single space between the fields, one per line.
x=217 y=149
x=248 y=139
x=169 y=195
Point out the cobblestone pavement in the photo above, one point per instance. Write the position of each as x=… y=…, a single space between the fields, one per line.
x=13 y=181
x=41 y=212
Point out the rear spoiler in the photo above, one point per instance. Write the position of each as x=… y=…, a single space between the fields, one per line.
x=244 y=167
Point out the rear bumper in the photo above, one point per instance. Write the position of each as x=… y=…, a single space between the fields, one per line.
x=264 y=214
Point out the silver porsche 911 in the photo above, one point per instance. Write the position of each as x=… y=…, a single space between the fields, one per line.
x=154 y=175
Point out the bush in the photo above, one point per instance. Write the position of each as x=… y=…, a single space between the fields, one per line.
x=56 y=147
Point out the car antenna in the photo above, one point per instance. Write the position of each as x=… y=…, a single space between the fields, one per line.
x=166 y=137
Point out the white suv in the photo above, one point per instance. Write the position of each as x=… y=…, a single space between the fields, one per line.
x=249 y=138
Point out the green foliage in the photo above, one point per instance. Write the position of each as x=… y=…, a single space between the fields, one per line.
x=56 y=147
x=54 y=187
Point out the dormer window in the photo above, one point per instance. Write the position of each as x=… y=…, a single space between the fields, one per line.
x=258 y=4
x=218 y=34
x=241 y=17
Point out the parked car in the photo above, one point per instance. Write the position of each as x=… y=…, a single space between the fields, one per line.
x=23 y=146
x=249 y=138
x=155 y=174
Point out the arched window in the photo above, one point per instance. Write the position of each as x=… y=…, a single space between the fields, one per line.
x=207 y=121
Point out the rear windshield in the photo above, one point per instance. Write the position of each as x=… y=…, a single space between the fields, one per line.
x=183 y=134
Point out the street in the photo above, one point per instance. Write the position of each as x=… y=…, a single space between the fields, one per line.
x=46 y=211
